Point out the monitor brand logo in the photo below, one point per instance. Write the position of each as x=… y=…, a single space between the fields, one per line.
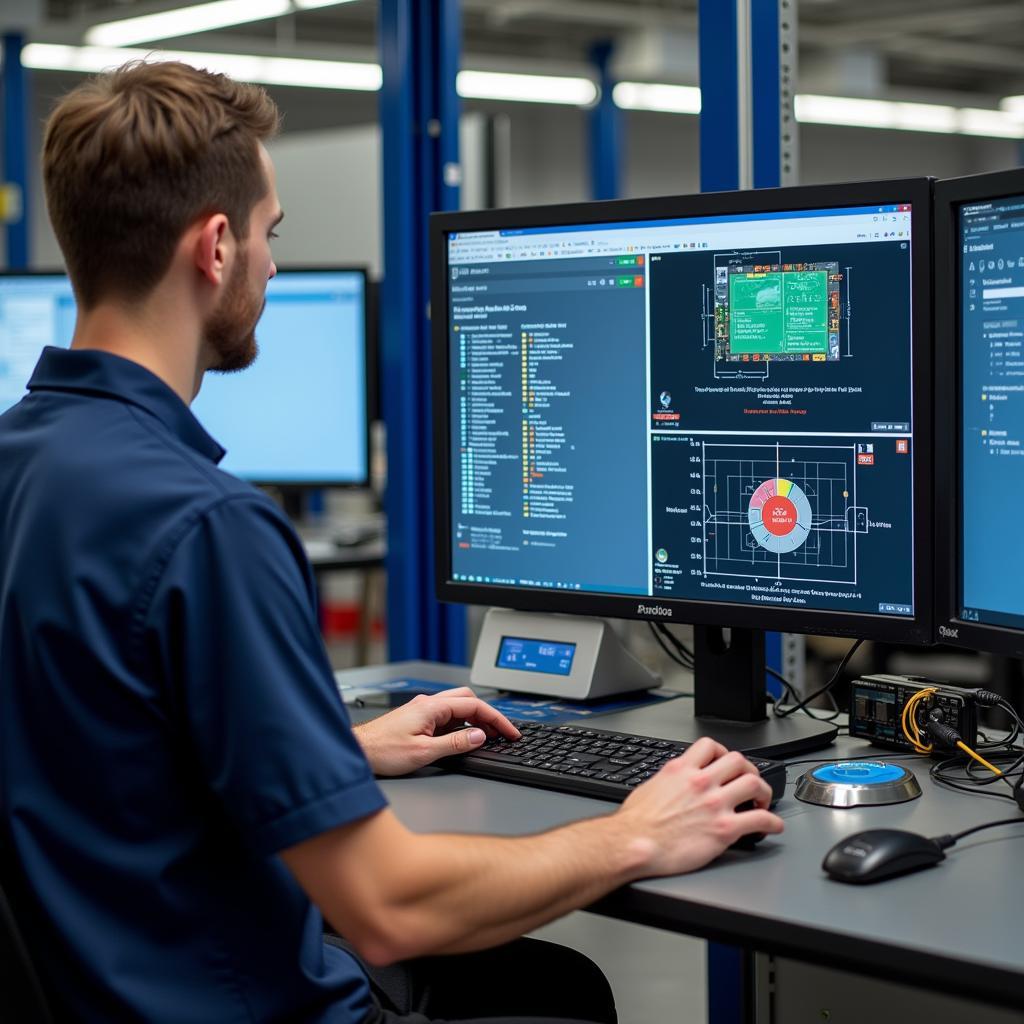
x=952 y=634
x=653 y=609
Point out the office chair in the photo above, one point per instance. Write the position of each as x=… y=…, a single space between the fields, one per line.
x=21 y=994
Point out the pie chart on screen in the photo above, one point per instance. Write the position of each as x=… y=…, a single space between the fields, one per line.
x=779 y=515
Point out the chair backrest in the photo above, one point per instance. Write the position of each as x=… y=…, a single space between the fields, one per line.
x=21 y=993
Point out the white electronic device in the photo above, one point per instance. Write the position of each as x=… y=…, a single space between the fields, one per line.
x=555 y=656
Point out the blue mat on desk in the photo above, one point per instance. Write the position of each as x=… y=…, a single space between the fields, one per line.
x=394 y=692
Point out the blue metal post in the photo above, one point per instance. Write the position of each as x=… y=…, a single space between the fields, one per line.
x=605 y=127
x=419 y=112
x=14 y=92
x=742 y=145
x=719 y=96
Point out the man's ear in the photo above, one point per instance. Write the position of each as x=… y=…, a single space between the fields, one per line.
x=213 y=242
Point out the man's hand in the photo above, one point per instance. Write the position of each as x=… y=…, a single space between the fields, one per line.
x=686 y=815
x=428 y=728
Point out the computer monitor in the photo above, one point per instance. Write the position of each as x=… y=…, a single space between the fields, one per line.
x=711 y=409
x=298 y=415
x=979 y=271
x=36 y=310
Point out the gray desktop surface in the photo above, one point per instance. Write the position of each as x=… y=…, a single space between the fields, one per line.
x=956 y=927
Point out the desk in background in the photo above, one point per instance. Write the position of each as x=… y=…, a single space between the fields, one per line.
x=326 y=555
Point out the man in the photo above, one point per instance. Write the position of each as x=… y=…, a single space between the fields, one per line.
x=180 y=782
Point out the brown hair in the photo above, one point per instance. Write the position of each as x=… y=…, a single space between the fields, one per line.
x=131 y=158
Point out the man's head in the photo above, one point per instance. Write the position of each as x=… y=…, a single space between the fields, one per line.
x=141 y=159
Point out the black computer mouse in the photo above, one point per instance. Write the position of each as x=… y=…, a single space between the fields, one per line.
x=880 y=853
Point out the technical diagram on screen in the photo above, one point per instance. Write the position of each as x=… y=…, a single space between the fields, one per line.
x=787 y=512
x=764 y=308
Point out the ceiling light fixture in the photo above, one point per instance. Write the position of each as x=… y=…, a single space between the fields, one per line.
x=320 y=74
x=670 y=99
x=497 y=85
x=187 y=21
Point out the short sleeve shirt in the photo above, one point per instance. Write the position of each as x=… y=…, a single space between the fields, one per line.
x=169 y=718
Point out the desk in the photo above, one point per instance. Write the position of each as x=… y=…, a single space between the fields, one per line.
x=326 y=556
x=955 y=928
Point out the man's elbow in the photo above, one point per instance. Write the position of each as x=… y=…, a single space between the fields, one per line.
x=389 y=940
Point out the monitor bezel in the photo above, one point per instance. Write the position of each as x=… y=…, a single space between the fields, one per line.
x=917 y=192
x=363 y=482
x=950 y=628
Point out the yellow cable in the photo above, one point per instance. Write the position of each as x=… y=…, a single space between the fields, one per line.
x=909 y=721
x=977 y=757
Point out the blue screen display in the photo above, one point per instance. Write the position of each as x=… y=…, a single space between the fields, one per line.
x=36 y=310
x=298 y=414
x=536 y=656
x=992 y=410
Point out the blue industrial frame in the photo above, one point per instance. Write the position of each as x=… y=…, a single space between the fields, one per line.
x=730 y=970
x=419 y=114
x=14 y=92
x=605 y=126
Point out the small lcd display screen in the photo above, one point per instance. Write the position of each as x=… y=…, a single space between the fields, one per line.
x=536 y=655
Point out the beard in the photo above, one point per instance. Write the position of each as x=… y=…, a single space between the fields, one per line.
x=230 y=331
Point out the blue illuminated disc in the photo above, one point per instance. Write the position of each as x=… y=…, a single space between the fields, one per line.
x=859 y=773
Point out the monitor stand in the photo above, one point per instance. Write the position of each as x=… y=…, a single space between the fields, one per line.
x=729 y=699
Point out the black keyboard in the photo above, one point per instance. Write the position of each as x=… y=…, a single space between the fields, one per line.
x=584 y=762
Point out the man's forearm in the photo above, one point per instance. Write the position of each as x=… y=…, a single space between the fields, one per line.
x=492 y=890
x=414 y=895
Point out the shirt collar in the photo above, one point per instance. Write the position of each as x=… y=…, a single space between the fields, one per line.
x=90 y=371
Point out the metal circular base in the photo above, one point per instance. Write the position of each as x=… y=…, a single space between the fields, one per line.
x=857 y=784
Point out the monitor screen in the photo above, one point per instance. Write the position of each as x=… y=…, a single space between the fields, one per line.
x=703 y=409
x=298 y=415
x=36 y=310
x=991 y=385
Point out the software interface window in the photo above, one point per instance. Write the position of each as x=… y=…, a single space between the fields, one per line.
x=992 y=376
x=716 y=408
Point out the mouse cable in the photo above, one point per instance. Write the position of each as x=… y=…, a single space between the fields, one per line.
x=802 y=705
x=945 y=842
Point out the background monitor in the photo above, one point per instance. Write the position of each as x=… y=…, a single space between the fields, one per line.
x=711 y=409
x=36 y=310
x=980 y=435
x=298 y=415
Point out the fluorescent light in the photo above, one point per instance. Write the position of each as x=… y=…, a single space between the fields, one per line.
x=845 y=110
x=184 y=21
x=671 y=99
x=495 y=85
x=321 y=74
x=998 y=123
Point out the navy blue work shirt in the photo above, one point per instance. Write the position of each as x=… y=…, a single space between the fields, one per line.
x=168 y=716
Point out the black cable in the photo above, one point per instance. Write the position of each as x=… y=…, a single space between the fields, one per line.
x=661 y=643
x=802 y=705
x=792 y=691
x=949 y=840
x=683 y=651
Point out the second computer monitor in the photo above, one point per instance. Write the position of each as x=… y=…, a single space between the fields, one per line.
x=298 y=415
x=980 y=430
x=714 y=409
